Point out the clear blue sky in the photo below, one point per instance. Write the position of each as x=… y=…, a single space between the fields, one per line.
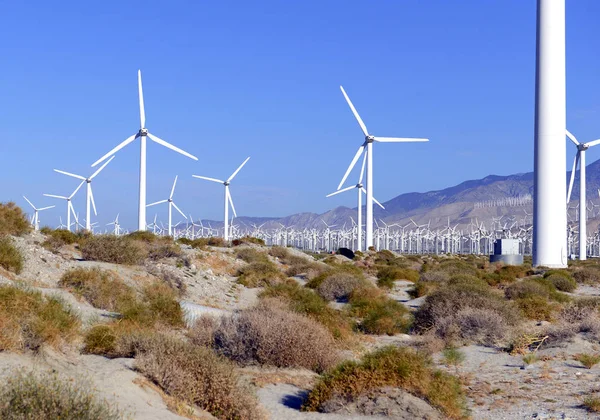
x=226 y=80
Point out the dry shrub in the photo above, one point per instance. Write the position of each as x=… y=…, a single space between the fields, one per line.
x=562 y=283
x=259 y=274
x=28 y=320
x=310 y=269
x=439 y=312
x=102 y=289
x=159 y=251
x=453 y=267
x=271 y=335
x=10 y=257
x=587 y=360
x=306 y=302
x=197 y=376
x=472 y=325
x=251 y=255
x=279 y=252
x=31 y=395
x=248 y=240
x=172 y=277
x=378 y=313
x=592 y=403
x=114 y=249
x=535 y=287
x=466 y=279
x=587 y=275
x=394 y=367
x=509 y=273
x=434 y=277
x=422 y=288
x=202 y=332
x=57 y=238
x=538 y=308
x=13 y=220
x=338 y=286
x=158 y=305
x=386 y=275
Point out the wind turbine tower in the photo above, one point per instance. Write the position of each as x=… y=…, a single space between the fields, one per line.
x=549 y=210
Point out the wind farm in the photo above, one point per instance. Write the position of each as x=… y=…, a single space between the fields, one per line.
x=260 y=261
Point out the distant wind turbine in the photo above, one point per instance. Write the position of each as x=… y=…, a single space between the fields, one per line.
x=70 y=208
x=367 y=147
x=142 y=134
x=171 y=205
x=89 y=194
x=228 y=200
x=580 y=159
x=36 y=221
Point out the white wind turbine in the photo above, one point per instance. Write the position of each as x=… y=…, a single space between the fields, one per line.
x=228 y=199
x=117 y=229
x=171 y=205
x=361 y=190
x=70 y=208
x=142 y=134
x=367 y=147
x=36 y=220
x=89 y=194
x=580 y=159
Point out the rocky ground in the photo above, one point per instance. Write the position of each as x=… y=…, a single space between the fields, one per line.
x=499 y=385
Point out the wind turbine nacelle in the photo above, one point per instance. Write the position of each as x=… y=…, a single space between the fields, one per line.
x=143 y=132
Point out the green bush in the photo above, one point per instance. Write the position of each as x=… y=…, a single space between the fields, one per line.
x=391 y=367
x=31 y=395
x=537 y=307
x=386 y=276
x=13 y=220
x=10 y=257
x=259 y=274
x=251 y=255
x=562 y=283
x=378 y=313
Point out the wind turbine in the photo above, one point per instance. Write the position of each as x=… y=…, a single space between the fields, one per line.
x=142 y=134
x=171 y=205
x=228 y=199
x=580 y=159
x=36 y=221
x=361 y=190
x=70 y=208
x=117 y=229
x=367 y=147
x=89 y=194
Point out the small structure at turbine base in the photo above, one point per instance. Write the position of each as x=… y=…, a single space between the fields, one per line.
x=507 y=252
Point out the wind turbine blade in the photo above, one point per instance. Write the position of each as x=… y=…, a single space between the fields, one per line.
x=238 y=169
x=77 y=189
x=170 y=146
x=362 y=170
x=46 y=208
x=102 y=167
x=399 y=140
x=116 y=149
x=56 y=196
x=141 y=95
x=341 y=191
x=70 y=174
x=593 y=143
x=30 y=203
x=378 y=203
x=572 y=138
x=360 y=121
x=158 y=202
x=231 y=202
x=92 y=200
x=70 y=205
x=173 y=189
x=572 y=180
x=356 y=156
x=209 y=179
x=177 y=208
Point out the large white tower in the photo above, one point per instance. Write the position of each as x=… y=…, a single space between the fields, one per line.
x=549 y=210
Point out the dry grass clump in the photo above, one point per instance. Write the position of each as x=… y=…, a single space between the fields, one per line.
x=28 y=320
x=310 y=269
x=159 y=251
x=157 y=305
x=453 y=267
x=386 y=275
x=537 y=298
x=251 y=255
x=592 y=403
x=587 y=275
x=391 y=367
x=102 y=289
x=587 y=360
x=466 y=313
x=114 y=249
x=11 y=258
x=434 y=277
x=175 y=279
x=338 y=286
x=378 y=314
x=248 y=240
x=197 y=376
x=13 y=220
x=562 y=283
x=30 y=395
x=304 y=301
x=279 y=252
x=259 y=274
x=271 y=335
